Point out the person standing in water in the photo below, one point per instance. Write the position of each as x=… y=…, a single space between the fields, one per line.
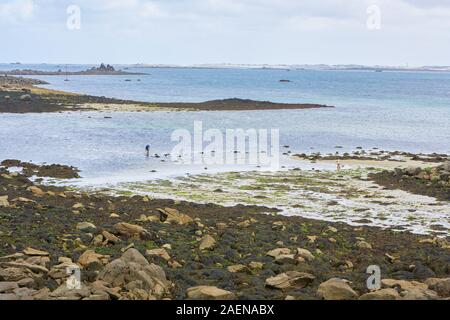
x=338 y=166
x=147 y=150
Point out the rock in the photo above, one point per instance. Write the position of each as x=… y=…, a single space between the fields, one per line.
x=78 y=206
x=383 y=294
x=332 y=229
x=63 y=292
x=110 y=237
x=36 y=191
x=173 y=215
x=254 y=265
x=286 y=259
x=133 y=270
x=441 y=286
x=24 y=265
x=4 y=202
x=207 y=243
x=237 y=268
x=445 y=166
x=34 y=252
x=8 y=286
x=363 y=245
x=209 y=293
x=86 y=226
x=411 y=290
x=25 y=97
x=305 y=254
x=336 y=289
x=422 y=272
x=15 y=274
x=278 y=252
x=129 y=230
x=290 y=279
x=162 y=253
x=412 y=171
x=89 y=257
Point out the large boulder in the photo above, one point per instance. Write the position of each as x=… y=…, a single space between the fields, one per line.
x=209 y=293
x=336 y=289
x=132 y=270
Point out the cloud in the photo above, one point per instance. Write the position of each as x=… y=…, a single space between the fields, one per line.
x=16 y=10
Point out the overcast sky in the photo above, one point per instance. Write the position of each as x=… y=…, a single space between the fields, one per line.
x=413 y=32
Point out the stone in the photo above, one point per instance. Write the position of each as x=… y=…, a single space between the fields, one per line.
x=110 y=237
x=207 y=243
x=129 y=230
x=132 y=267
x=24 y=265
x=162 y=253
x=36 y=191
x=278 y=252
x=286 y=259
x=4 y=201
x=7 y=286
x=63 y=292
x=254 y=265
x=86 y=226
x=363 y=245
x=411 y=290
x=173 y=215
x=441 y=286
x=34 y=252
x=89 y=257
x=382 y=294
x=336 y=289
x=305 y=254
x=237 y=268
x=25 y=97
x=290 y=279
x=209 y=293
x=332 y=229
x=78 y=206
x=15 y=274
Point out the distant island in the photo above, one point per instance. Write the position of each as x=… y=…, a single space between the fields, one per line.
x=94 y=71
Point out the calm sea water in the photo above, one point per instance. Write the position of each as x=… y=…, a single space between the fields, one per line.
x=408 y=111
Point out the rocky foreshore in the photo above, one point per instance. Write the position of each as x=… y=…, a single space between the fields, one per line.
x=141 y=248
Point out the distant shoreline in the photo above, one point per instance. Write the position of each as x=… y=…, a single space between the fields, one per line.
x=20 y=95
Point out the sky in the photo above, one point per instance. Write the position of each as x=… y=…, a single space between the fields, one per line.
x=186 y=32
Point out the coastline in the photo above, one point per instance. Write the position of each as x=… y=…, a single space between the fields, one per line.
x=20 y=95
